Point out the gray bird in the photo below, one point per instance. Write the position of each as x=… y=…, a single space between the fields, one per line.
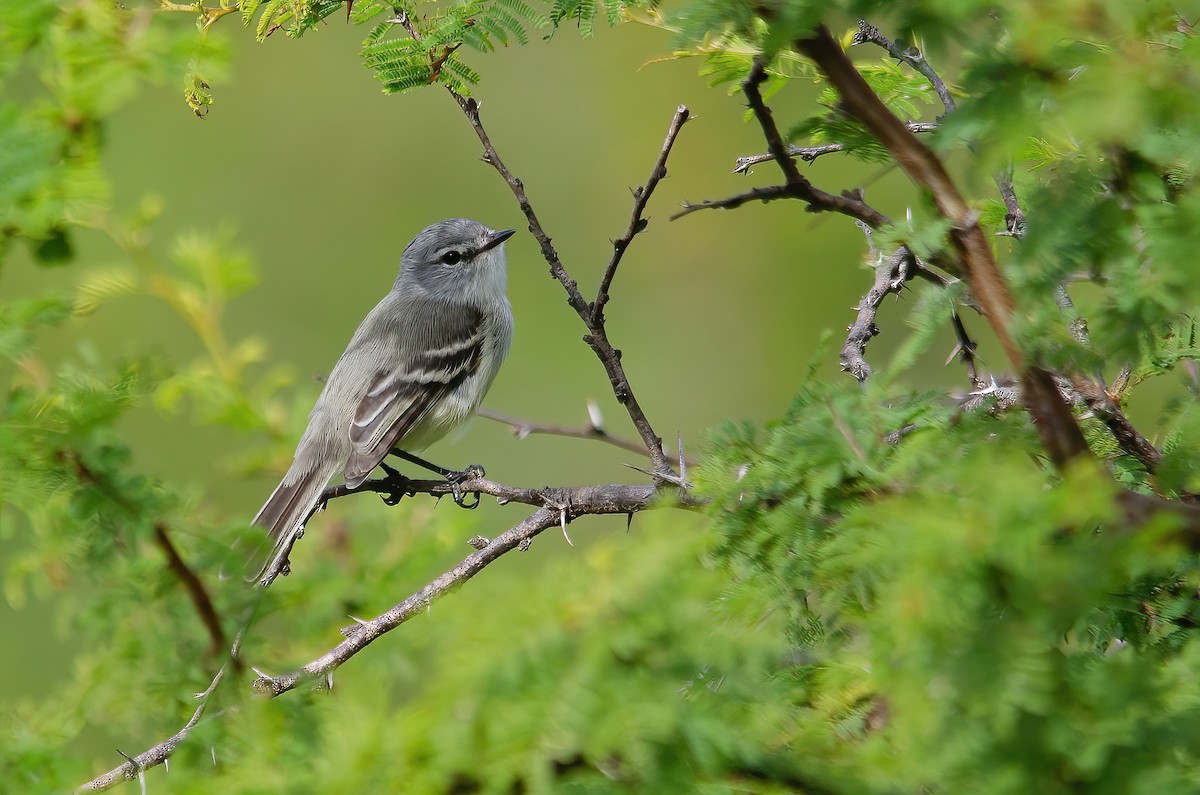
x=417 y=367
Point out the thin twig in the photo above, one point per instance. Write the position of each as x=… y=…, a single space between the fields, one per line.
x=912 y=56
x=135 y=766
x=597 y=338
x=636 y=222
x=964 y=349
x=592 y=430
x=195 y=589
x=796 y=186
x=810 y=153
x=555 y=506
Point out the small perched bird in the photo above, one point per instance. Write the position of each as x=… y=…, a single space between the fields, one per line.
x=417 y=367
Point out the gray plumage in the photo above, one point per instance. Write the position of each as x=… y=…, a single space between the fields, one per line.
x=418 y=366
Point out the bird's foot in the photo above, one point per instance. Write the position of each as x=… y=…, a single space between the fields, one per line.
x=457 y=478
x=397 y=486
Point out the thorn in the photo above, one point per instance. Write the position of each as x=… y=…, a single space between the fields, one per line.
x=628 y=521
x=129 y=758
x=213 y=750
x=329 y=680
x=261 y=674
x=682 y=461
x=594 y=415
x=562 y=520
x=357 y=620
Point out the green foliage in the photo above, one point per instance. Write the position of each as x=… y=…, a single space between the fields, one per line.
x=963 y=620
x=891 y=589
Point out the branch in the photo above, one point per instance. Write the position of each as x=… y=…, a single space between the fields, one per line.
x=890 y=275
x=594 y=429
x=557 y=507
x=597 y=338
x=1057 y=427
x=133 y=767
x=1014 y=217
x=796 y=186
x=1128 y=438
x=912 y=56
x=810 y=153
x=195 y=590
x=965 y=350
x=636 y=223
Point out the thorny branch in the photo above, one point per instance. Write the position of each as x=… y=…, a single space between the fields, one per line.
x=912 y=56
x=597 y=337
x=1087 y=390
x=135 y=766
x=556 y=508
x=891 y=273
x=810 y=153
x=795 y=186
x=593 y=429
x=641 y=196
x=1056 y=425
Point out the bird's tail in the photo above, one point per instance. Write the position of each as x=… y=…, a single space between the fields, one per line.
x=284 y=514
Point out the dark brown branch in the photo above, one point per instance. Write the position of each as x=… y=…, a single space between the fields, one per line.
x=1057 y=427
x=890 y=275
x=641 y=196
x=964 y=349
x=1105 y=409
x=592 y=430
x=796 y=186
x=912 y=56
x=810 y=153
x=195 y=590
x=556 y=508
x=597 y=338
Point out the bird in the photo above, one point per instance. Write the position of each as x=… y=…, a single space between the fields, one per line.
x=417 y=368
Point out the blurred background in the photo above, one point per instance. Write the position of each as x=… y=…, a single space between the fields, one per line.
x=321 y=180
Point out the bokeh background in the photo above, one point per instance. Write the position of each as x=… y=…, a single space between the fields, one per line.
x=321 y=180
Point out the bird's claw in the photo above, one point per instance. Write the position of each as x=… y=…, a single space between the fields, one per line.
x=456 y=479
x=398 y=484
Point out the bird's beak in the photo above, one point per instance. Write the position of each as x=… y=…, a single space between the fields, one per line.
x=496 y=238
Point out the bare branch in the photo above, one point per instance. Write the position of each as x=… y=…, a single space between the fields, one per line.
x=796 y=186
x=890 y=275
x=592 y=430
x=965 y=350
x=810 y=153
x=912 y=56
x=636 y=223
x=1014 y=217
x=195 y=590
x=597 y=338
x=157 y=755
x=555 y=506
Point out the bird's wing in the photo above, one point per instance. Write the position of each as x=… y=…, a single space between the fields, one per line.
x=398 y=399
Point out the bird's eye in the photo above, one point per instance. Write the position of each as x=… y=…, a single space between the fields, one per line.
x=452 y=257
